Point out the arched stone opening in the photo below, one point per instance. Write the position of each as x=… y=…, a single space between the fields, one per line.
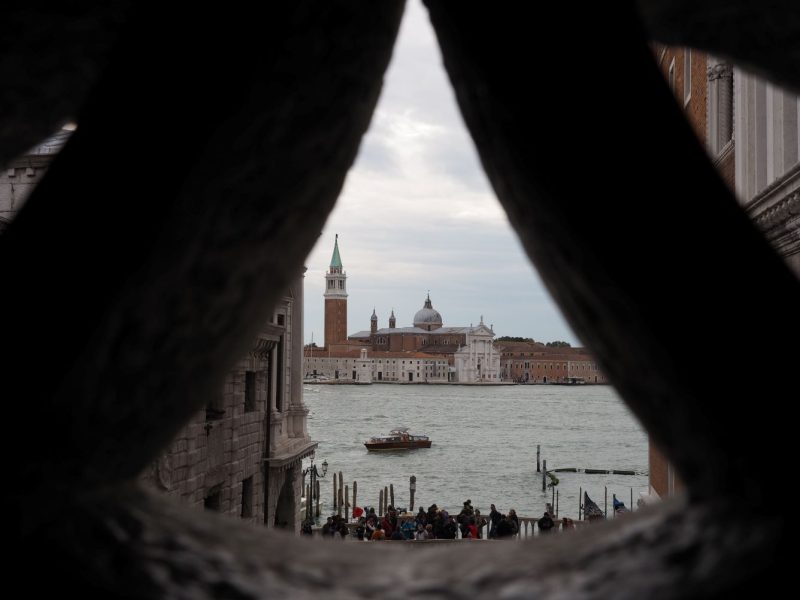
x=161 y=296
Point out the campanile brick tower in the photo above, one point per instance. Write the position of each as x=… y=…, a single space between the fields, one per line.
x=335 y=301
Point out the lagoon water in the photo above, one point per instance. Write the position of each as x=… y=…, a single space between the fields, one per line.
x=484 y=443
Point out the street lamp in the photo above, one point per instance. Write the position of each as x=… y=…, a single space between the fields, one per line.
x=315 y=474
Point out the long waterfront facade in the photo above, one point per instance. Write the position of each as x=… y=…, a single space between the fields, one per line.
x=429 y=351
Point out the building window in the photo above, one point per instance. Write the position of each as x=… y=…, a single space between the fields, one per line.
x=250 y=390
x=282 y=320
x=247 y=497
x=672 y=75
x=687 y=75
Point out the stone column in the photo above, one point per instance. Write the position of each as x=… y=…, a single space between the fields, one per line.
x=296 y=397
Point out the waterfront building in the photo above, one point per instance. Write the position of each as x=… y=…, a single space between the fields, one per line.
x=361 y=365
x=751 y=131
x=533 y=362
x=425 y=352
x=241 y=455
x=468 y=350
x=426 y=335
x=477 y=361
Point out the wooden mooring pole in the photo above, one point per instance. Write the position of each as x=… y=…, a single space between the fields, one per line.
x=538 y=451
x=544 y=476
x=412 y=489
x=580 y=502
x=340 y=490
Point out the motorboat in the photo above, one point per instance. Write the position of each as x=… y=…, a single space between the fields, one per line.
x=398 y=439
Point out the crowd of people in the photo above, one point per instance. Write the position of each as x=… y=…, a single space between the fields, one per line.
x=434 y=524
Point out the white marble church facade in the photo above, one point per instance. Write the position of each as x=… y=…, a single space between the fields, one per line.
x=477 y=361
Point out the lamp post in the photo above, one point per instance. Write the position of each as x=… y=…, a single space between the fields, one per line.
x=315 y=474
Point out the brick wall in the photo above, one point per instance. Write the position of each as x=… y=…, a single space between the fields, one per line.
x=335 y=321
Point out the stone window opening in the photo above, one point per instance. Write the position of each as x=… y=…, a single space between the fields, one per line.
x=249 y=391
x=213 y=500
x=247 y=498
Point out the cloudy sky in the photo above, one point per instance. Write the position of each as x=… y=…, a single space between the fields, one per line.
x=418 y=214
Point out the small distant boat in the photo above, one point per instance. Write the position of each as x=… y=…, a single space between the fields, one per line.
x=398 y=439
x=570 y=381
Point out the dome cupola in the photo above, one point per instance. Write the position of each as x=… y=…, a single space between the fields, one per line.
x=427 y=317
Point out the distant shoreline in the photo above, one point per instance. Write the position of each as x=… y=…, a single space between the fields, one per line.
x=478 y=384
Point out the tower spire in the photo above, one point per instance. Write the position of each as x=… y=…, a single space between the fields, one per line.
x=336 y=260
x=335 y=300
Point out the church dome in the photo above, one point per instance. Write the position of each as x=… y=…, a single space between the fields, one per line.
x=427 y=317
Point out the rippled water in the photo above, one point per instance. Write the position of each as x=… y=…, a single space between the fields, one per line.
x=484 y=443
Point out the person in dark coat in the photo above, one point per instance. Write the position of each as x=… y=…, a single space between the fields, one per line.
x=545 y=523
x=505 y=528
x=494 y=517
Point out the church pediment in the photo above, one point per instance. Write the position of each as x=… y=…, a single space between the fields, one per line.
x=482 y=330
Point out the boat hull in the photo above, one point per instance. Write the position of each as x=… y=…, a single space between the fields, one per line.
x=410 y=445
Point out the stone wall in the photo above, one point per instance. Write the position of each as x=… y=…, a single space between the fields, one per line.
x=216 y=452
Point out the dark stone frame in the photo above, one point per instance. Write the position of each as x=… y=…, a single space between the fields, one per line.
x=152 y=284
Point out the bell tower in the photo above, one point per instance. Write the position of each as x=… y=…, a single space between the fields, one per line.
x=373 y=323
x=335 y=300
